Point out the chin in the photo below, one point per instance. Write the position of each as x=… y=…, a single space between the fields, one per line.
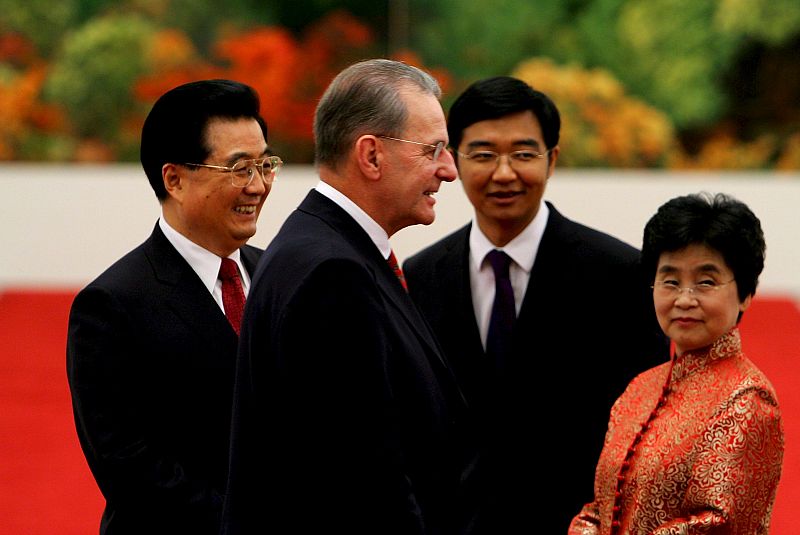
x=246 y=232
x=426 y=220
x=241 y=238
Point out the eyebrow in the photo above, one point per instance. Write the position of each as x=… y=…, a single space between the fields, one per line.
x=243 y=155
x=704 y=268
x=479 y=143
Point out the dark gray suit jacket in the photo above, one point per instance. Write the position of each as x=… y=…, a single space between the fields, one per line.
x=150 y=363
x=347 y=419
x=586 y=327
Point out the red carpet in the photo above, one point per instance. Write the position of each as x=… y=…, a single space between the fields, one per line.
x=46 y=485
x=771 y=338
x=47 y=488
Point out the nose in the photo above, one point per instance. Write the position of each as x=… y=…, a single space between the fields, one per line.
x=259 y=186
x=504 y=172
x=685 y=298
x=447 y=171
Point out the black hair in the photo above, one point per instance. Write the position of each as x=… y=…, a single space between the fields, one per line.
x=719 y=222
x=497 y=97
x=175 y=129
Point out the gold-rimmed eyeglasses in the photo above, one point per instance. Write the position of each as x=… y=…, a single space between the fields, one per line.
x=491 y=159
x=434 y=154
x=671 y=289
x=243 y=171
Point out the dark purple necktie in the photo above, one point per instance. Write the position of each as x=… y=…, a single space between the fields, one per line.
x=504 y=312
x=232 y=293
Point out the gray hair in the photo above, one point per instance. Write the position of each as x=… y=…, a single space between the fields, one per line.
x=365 y=99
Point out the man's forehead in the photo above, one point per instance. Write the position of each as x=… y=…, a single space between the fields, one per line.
x=521 y=128
x=424 y=111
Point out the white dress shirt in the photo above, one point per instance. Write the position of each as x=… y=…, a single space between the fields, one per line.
x=205 y=263
x=522 y=250
x=372 y=228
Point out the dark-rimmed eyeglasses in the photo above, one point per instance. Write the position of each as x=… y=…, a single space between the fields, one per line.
x=434 y=155
x=243 y=171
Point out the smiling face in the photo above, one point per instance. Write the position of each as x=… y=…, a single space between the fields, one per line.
x=507 y=196
x=410 y=174
x=202 y=204
x=696 y=320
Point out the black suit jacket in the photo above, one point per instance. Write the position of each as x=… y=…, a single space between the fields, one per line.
x=585 y=328
x=346 y=416
x=150 y=363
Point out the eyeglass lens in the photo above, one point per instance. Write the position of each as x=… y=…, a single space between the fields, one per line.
x=244 y=171
x=438 y=151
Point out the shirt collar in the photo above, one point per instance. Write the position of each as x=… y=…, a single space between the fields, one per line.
x=370 y=226
x=522 y=249
x=205 y=263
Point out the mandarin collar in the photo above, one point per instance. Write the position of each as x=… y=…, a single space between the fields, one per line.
x=726 y=346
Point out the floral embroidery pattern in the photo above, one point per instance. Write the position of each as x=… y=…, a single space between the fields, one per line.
x=693 y=446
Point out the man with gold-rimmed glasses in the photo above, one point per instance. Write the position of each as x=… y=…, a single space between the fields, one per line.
x=152 y=341
x=346 y=416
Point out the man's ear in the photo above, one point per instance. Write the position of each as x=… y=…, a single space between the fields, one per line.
x=552 y=157
x=173 y=180
x=369 y=156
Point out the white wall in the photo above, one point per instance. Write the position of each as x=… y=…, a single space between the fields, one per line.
x=61 y=225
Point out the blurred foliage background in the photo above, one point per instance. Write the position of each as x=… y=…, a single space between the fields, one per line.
x=680 y=84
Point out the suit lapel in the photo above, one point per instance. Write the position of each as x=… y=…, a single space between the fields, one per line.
x=452 y=271
x=320 y=206
x=412 y=315
x=184 y=292
x=548 y=267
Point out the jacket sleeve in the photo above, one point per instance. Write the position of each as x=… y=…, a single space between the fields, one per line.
x=320 y=372
x=587 y=522
x=105 y=379
x=738 y=467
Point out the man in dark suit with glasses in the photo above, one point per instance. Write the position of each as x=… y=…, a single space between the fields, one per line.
x=347 y=418
x=152 y=341
x=544 y=320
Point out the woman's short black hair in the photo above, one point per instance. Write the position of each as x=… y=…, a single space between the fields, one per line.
x=719 y=222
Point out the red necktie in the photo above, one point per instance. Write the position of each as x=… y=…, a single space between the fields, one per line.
x=232 y=293
x=396 y=268
x=504 y=312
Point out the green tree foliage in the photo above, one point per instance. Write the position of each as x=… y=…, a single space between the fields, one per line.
x=93 y=77
x=724 y=72
x=771 y=21
x=601 y=124
x=676 y=57
x=475 y=38
x=665 y=51
x=697 y=60
x=296 y=15
x=203 y=21
x=43 y=22
x=679 y=55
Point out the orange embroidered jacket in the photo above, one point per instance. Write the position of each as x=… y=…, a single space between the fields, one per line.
x=693 y=446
